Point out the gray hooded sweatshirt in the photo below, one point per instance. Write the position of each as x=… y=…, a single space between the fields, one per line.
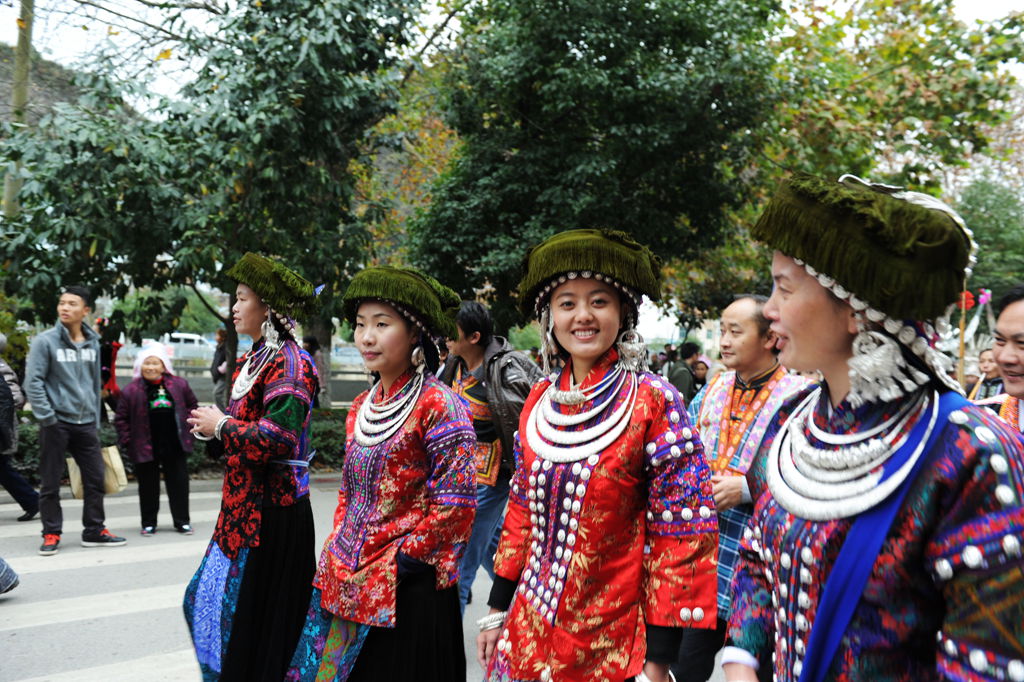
x=62 y=378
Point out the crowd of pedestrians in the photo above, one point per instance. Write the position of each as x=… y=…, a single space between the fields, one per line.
x=821 y=503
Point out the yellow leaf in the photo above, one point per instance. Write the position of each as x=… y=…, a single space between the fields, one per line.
x=92 y=249
x=239 y=187
x=112 y=32
x=21 y=23
x=164 y=54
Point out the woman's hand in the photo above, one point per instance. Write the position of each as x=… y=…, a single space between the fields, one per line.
x=204 y=420
x=486 y=641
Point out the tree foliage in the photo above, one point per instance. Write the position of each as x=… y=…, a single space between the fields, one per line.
x=629 y=114
x=995 y=213
x=255 y=155
x=901 y=89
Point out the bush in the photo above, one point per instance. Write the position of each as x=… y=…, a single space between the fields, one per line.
x=327 y=433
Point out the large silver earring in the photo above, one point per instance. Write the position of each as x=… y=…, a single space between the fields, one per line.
x=878 y=370
x=270 y=334
x=419 y=361
x=632 y=350
x=548 y=346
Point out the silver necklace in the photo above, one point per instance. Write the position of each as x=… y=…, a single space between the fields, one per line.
x=556 y=445
x=378 y=421
x=251 y=370
x=576 y=396
x=817 y=493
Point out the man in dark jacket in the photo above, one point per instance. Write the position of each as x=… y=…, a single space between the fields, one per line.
x=494 y=380
x=62 y=382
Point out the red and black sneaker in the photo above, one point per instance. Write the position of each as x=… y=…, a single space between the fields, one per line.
x=51 y=541
x=104 y=539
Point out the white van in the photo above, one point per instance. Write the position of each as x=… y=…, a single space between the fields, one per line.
x=185 y=345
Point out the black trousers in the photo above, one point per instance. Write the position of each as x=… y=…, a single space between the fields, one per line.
x=175 y=469
x=20 y=489
x=82 y=442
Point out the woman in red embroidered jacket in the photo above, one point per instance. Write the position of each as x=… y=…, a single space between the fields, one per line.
x=246 y=604
x=610 y=537
x=385 y=604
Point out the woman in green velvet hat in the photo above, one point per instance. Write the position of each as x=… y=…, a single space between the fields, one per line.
x=385 y=603
x=886 y=537
x=610 y=537
x=246 y=604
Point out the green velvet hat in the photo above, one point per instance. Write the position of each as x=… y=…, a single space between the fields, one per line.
x=902 y=253
x=433 y=304
x=588 y=253
x=280 y=288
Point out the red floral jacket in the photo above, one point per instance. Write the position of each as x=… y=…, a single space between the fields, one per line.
x=415 y=492
x=601 y=546
x=267 y=432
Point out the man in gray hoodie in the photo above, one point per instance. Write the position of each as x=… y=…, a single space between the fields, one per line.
x=62 y=382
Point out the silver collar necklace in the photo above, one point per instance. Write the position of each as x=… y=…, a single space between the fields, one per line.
x=555 y=444
x=378 y=421
x=822 y=484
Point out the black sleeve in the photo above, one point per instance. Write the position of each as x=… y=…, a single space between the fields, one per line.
x=502 y=591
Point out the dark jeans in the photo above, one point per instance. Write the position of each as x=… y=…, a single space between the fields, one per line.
x=483 y=540
x=82 y=442
x=23 y=493
x=175 y=468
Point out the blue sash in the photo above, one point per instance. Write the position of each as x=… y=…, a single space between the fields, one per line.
x=860 y=549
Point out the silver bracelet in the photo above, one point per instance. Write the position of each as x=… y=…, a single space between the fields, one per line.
x=492 y=621
x=220 y=425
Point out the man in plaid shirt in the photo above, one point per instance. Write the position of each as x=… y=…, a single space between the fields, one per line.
x=731 y=413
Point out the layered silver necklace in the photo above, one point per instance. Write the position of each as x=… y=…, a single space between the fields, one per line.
x=842 y=479
x=555 y=444
x=378 y=421
x=251 y=370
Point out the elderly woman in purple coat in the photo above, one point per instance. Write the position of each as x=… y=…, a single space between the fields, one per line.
x=151 y=428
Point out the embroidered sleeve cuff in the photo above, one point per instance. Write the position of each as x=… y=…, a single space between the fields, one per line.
x=663 y=643
x=734 y=654
x=502 y=592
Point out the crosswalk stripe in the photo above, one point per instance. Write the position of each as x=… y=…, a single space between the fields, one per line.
x=69 y=609
x=79 y=557
x=119 y=525
x=169 y=667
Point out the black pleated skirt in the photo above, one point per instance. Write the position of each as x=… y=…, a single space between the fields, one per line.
x=273 y=596
x=426 y=645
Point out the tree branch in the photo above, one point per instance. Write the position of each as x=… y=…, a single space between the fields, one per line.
x=430 y=41
x=161 y=29
x=207 y=303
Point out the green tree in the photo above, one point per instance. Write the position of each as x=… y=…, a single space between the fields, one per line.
x=255 y=155
x=995 y=213
x=630 y=114
x=901 y=89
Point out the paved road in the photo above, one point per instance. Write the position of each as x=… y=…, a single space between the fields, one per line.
x=114 y=614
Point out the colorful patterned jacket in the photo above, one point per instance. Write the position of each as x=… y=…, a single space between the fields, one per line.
x=268 y=430
x=414 y=493
x=943 y=601
x=604 y=549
